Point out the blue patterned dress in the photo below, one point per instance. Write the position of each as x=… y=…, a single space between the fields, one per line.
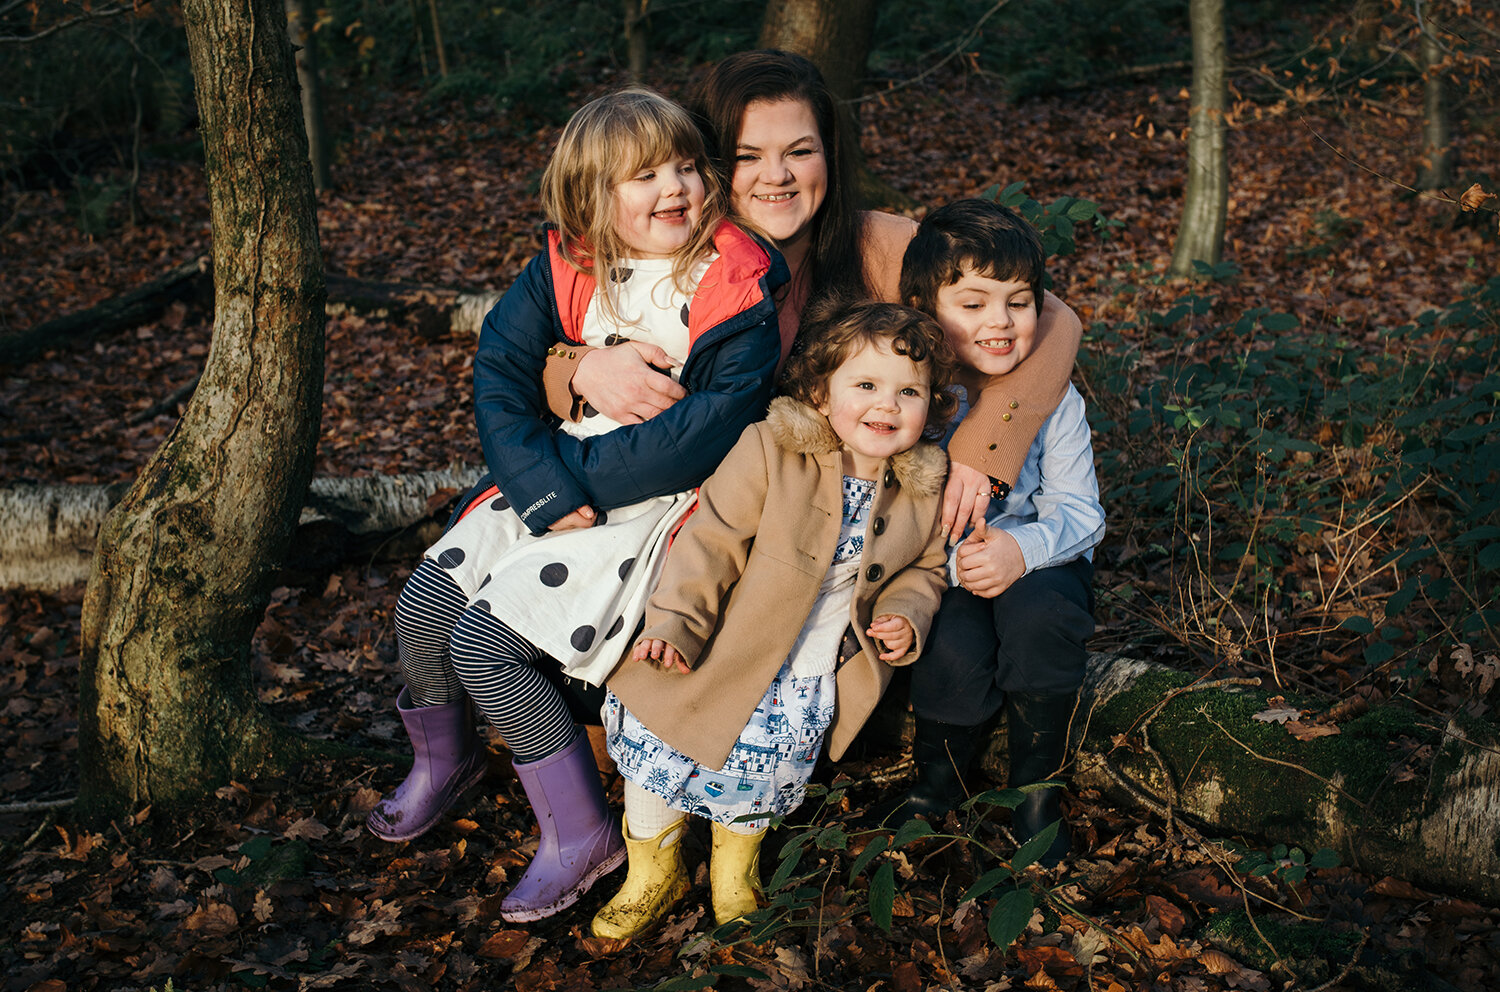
x=767 y=771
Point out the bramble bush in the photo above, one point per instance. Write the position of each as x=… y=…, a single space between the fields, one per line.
x=1299 y=484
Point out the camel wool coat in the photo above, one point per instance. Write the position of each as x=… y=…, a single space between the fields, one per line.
x=742 y=576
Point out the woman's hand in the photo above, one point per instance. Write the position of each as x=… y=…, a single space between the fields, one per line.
x=966 y=499
x=989 y=562
x=659 y=653
x=580 y=519
x=894 y=634
x=620 y=383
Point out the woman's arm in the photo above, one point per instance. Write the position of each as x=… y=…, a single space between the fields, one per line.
x=619 y=381
x=682 y=445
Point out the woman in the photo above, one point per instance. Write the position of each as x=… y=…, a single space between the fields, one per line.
x=788 y=157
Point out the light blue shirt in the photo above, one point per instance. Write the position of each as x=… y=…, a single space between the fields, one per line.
x=1053 y=510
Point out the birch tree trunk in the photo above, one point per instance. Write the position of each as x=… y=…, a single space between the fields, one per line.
x=184 y=563
x=1205 y=205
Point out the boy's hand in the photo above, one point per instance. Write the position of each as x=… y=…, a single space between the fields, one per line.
x=659 y=653
x=580 y=519
x=894 y=633
x=988 y=562
x=966 y=499
x=621 y=382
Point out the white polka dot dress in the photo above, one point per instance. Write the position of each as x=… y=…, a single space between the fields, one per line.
x=579 y=595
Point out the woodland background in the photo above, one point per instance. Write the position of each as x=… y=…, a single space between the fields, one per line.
x=1297 y=450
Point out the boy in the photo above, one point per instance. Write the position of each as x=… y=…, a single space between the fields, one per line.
x=1011 y=628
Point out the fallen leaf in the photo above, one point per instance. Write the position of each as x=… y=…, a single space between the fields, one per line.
x=1305 y=730
x=1277 y=711
x=306 y=829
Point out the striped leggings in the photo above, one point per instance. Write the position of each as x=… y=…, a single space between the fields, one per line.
x=448 y=649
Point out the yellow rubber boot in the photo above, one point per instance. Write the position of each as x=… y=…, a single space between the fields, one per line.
x=655 y=880
x=734 y=873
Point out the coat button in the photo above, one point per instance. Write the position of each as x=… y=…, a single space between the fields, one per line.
x=879 y=526
x=874 y=573
x=890 y=478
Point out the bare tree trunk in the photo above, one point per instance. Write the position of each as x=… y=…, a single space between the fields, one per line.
x=835 y=34
x=437 y=40
x=1435 y=168
x=1206 y=204
x=637 y=38
x=301 y=21
x=184 y=564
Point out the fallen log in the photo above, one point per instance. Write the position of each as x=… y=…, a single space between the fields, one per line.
x=431 y=311
x=143 y=304
x=1152 y=735
x=47 y=532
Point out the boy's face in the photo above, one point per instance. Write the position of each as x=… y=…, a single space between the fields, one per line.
x=989 y=323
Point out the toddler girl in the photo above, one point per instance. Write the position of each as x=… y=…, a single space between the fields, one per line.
x=826 y=514
x=556 y=558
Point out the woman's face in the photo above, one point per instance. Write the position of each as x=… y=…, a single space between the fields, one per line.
x=780 y=169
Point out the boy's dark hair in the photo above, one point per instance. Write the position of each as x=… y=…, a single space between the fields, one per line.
x=980 y=236
x=833 y=329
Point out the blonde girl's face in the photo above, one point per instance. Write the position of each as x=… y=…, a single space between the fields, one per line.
x=658 y=207
x=877 y=405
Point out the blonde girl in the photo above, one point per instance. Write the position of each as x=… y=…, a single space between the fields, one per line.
x=543 y=579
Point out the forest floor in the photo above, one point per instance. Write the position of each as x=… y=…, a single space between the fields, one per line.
x=276 y=884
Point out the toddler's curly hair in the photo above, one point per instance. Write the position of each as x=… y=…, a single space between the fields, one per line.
x=833 y=329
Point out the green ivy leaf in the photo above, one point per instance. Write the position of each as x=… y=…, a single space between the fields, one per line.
x=883 y=896
x=910 y=831
x=869 y=854
x=1011 y=914
x=1035 y=847
x=985 y=883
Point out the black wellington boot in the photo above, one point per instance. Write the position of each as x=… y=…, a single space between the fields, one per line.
x=942 y=753
x=1038 y=730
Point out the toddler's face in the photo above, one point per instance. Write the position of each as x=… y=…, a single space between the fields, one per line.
x=877 y=405
x=989 y=323
x=658 y=207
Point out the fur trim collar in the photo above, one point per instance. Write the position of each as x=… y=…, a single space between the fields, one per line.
x=798 y=428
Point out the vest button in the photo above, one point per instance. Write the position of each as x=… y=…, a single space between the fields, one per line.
x=874 y=573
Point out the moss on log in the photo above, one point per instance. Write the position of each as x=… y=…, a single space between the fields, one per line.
x=1203 y=755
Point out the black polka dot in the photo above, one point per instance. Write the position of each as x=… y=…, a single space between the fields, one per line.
x=615 y=628
x=589 y=411
x=684 y=315
x=554 y=574
x=499 y=503
x=583 y=638
x=625 y=566
x=601 y=517
x=621 y=274
x=452 y=558
x=485 y=582
x=482 y=604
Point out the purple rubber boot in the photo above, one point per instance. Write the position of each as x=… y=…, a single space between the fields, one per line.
x=581 y=840
x=449 y=758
